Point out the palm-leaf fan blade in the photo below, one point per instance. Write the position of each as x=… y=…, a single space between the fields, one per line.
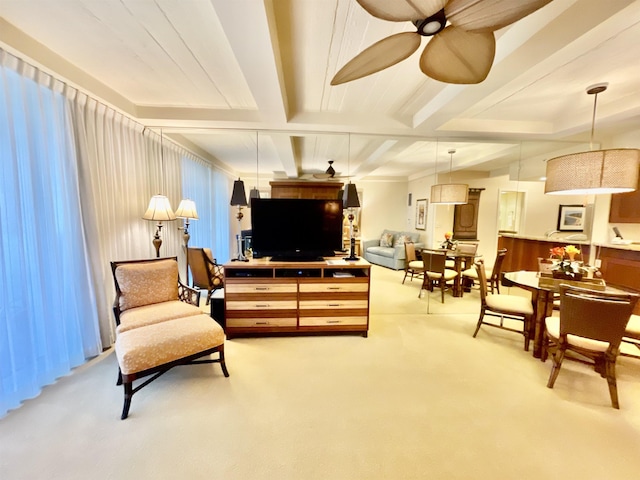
x=402 y=10
x=489 y=15
x=459 y=57
x=380 y=55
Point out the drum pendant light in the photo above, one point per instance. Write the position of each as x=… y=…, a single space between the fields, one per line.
x=595 y=171
x=449 y=193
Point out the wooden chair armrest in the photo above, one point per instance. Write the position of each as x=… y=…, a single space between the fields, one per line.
x=188 y=294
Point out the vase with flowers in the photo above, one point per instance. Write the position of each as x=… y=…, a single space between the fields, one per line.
x=448 y=243
x=566 y=266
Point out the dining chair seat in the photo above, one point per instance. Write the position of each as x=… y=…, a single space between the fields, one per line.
x=633 y=327
x=448 y=275
x=416 y=265
x=553 y=329
x=509 y=303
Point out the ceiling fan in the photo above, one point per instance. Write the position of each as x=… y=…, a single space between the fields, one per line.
x=329 y=173
x=461 y=53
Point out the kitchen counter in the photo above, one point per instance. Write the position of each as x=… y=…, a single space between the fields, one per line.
x=555 y=238
x=632 y=247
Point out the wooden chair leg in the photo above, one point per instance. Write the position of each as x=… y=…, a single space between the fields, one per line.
x=119 y=381
x=557 y=363
x=479 y=323
x=405 y=276
x=223 y=365
x=611 y=381
x=128 y=393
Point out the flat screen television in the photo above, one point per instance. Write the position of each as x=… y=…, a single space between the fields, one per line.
x=295 y=229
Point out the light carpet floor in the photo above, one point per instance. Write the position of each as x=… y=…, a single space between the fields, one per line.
x=419 y=398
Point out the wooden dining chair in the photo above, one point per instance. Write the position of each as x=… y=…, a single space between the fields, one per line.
x=412 y=266
x=436 y=273
x=503 y=306
x=591 y=324
x=632 y=335
x=470 y=275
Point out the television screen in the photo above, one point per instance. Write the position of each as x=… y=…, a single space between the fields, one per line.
x=296 y=229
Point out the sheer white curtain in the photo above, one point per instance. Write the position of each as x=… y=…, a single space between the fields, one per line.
x=48 y=319
x=121 y=167
x=209 y=189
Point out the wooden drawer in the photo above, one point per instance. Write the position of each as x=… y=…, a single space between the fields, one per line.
x=261 y=322
x=334 y=287
x=263 y=288
x=332 y=321
x=262 y=304
x=332 y=304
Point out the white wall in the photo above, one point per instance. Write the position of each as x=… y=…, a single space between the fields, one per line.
x=384 y=205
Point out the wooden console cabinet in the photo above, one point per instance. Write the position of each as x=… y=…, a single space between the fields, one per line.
x=264 y=297
x=325 y=190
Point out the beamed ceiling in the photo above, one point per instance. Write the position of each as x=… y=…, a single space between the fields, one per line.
x=220 y=75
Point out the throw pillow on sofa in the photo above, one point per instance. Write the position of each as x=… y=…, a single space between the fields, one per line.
x=402 y=239
x=386 y=240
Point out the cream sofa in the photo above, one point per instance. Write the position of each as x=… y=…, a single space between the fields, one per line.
x=389 y=256
x=159 y=324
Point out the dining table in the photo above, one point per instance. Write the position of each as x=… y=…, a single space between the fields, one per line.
x=543 y=292
x=460 y=258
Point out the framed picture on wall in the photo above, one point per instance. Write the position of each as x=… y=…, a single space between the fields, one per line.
x=421 y=214
x=571 y=218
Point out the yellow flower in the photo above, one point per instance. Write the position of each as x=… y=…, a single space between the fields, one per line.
x=571 y=249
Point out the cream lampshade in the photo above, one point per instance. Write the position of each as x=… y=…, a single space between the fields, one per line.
x=159 y=210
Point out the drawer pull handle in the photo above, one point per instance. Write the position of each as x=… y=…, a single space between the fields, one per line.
x=333 y=321
x=334 y=288
x=262 y=323
x=265 y=305
x=333 y=305
x=262 y=288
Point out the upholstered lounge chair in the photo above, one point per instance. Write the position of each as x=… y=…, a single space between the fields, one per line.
x=159 y=324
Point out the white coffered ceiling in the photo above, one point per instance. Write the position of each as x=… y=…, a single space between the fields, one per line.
x=212 y=73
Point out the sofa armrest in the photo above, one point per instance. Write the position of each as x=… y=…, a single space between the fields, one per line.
x=370 y=243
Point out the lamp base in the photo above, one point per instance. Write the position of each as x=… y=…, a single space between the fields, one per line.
x=352 y=258
x=240 y=257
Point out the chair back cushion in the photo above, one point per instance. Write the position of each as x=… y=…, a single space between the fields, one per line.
x=145 y=283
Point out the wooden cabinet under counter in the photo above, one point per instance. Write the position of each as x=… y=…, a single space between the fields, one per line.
x=523 y=253
x=621 y=266
x=264 y=297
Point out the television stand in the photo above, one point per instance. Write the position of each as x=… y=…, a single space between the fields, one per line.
x=269 y=297
x=297 y=258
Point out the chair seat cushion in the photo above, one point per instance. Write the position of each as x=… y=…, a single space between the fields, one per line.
x=382 y=251
x=553 y=330
x=140 y=349
x=633 y=327
x=416 y=265
x=509 y=304
x=156 y=313
x=448 y=275
x=470 y=273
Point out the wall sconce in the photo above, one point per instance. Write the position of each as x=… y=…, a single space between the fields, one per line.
x=159 y=210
